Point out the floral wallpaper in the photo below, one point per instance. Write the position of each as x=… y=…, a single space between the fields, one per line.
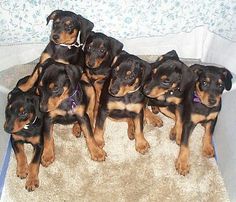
x=24 y=21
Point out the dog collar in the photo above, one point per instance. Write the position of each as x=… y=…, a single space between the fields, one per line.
x=134 y=90
x=71 y=100
x=27 y=125
x=77 y=44
x=72 y=45
x=196 y=98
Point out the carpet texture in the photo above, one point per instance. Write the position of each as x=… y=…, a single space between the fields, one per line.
x=126 y=175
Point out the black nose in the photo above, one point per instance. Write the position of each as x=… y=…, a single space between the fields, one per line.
x=7 y=128
x=55 y=36
x=146 y=90
x=114 y=90
x=212 y=101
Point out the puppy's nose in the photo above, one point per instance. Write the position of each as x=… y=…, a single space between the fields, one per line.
x=114 y=91
x=146 y=90
x=212 y=101
x=7 y=128
x=55 y=36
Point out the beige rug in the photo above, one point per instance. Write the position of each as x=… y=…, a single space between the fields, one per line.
x=125 y=175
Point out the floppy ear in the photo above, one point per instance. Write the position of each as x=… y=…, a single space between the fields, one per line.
x=227 y=78
x=53 y=15
x=197 y=70
x=169 y=55
x=186 y=75
x=86 y=27
x=116 y=46
x=74 y=74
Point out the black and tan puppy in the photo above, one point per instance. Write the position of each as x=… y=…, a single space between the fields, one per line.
x=100 y=51
x=68 y=34
x=64 y=99
x=121 y=99
x=165 y=87
x=202 y=105
x=24 y=122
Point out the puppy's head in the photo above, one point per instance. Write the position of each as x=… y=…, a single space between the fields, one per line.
x=66 y=27
x=56 y=84
x=127 y=74
x=210 y=83
x=100 y=49
x=21 y=109
x=168 y=75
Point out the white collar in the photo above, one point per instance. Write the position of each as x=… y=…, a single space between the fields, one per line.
x=27 y=125
x=135 y=90
x=77 y=44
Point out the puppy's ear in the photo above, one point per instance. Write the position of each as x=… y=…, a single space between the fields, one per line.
x=86 y=27
x=227 y=78
x=169 y=55
x=187 y=75
x=74 y=74
x=116 y=46
x=197 y=70
x=53 y=15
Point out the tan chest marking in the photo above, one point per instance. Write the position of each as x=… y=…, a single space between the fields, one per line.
x=196 y=118
x=57 y=112
x=121 y=106
x=33 y=140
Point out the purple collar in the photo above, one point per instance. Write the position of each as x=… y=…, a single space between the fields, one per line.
x=196 y=98
x=73 y=100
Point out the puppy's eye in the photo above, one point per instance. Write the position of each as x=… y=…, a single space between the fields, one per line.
x=220 y=85
x=204 y=83
x=89 y=48
x=56 y=89
x=166 y=82
x=102 y=51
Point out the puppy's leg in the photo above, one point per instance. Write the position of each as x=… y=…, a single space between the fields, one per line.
x=48 y=155
x=76 y=131
x=141 y=144
x=176 y=131
x=32 y=181
x=208 y=149
x=21 y=159
x=99 y=128
x=152 y=119
x=130 y=129
x=182 y=162
x=97 y=153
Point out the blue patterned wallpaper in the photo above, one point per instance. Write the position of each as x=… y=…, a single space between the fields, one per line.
x=24 y=21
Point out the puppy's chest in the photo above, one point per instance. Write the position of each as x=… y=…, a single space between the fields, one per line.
x=34 y=139
x=171 y=97
x=126 y=104
x=200 y=115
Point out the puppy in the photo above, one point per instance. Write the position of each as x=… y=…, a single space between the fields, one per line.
x=165 y=87
x=100 y=51
x=64 y=99
x=69 y=32
x=202 y=105
x=121 y=99
x=24 y=122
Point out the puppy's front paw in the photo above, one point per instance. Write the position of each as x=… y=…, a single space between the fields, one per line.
x=182 y=166
x=142 y=146
x=32 y=183
x=98 y=154
x=76 y=131
x=22 y=171
x=208 y=150
x=47 y=157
